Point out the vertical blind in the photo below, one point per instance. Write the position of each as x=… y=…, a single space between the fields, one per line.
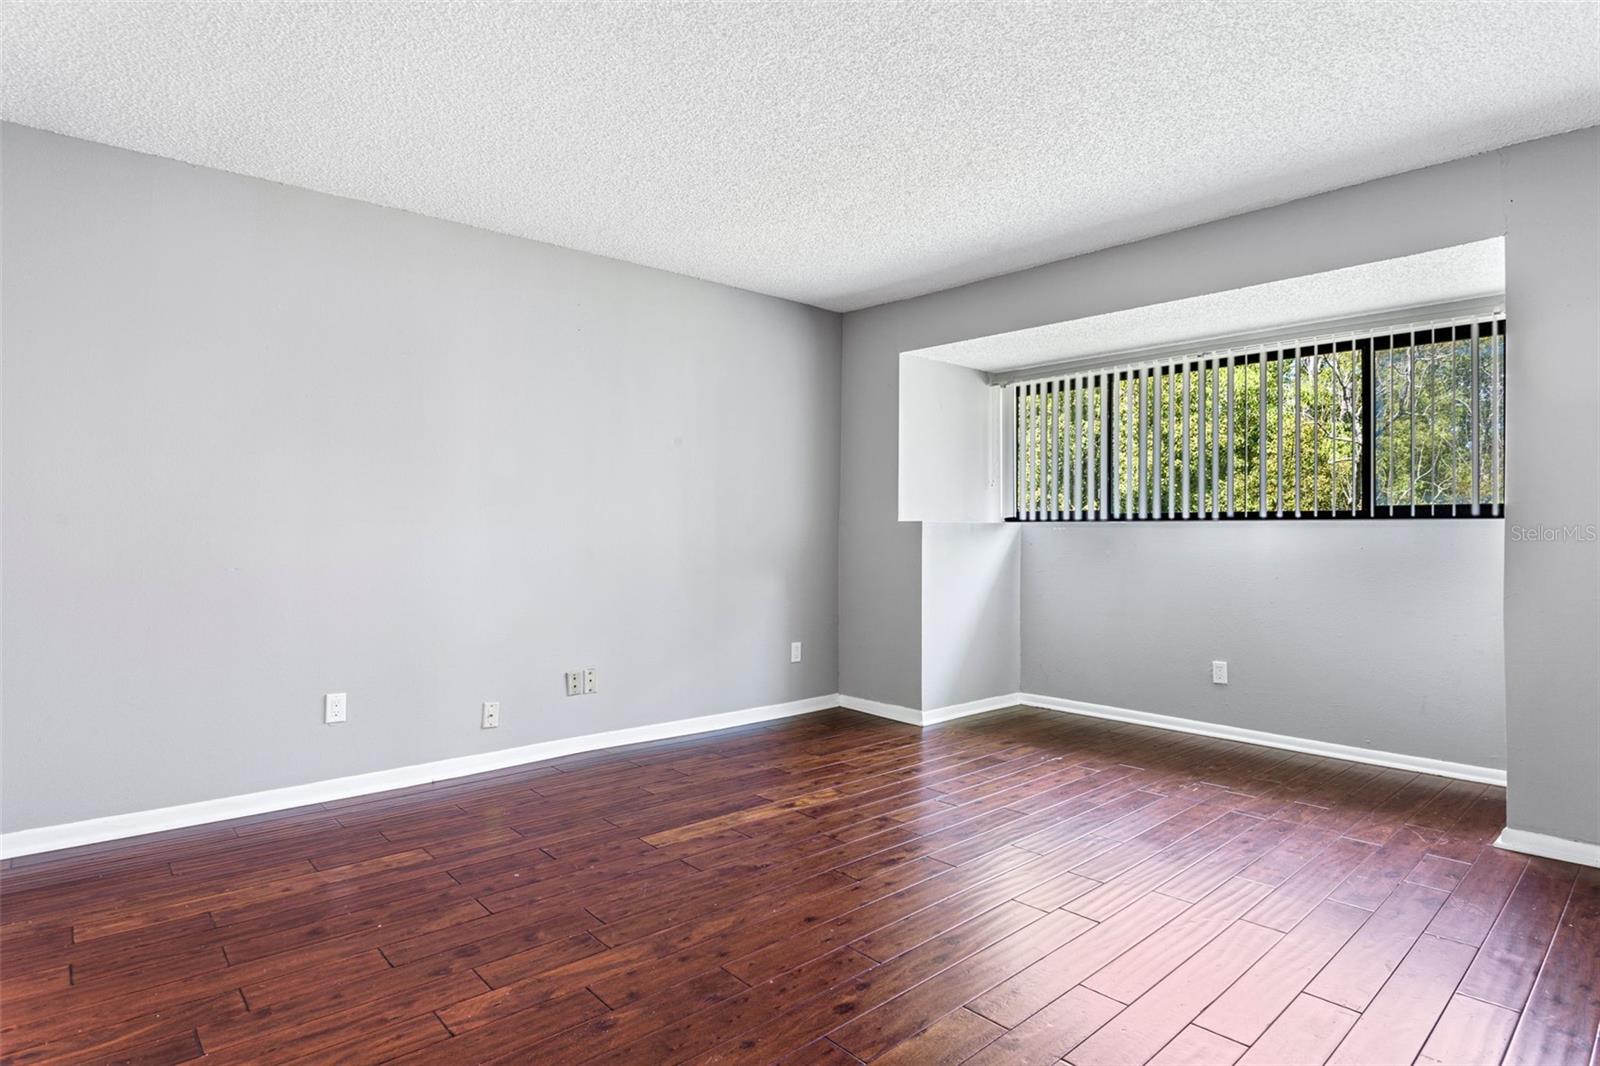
x=1400 y=422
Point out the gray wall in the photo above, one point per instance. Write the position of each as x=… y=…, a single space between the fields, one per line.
x=1553 y=480
x=880 y=567
x=880 y=557
x=971 y=612
x=1382 y=635
x=952 y=466
x=1541 y=195
x=262 y=444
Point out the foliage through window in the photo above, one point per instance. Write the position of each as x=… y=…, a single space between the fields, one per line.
x=1400 y=423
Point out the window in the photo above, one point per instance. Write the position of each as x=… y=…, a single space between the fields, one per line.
x=1407 y=422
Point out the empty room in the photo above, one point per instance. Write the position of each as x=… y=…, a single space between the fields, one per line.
x=909 y=533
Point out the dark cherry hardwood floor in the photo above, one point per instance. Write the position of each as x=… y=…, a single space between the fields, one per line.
x=1015 y=888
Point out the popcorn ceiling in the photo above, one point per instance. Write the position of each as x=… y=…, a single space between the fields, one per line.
x=837 y=154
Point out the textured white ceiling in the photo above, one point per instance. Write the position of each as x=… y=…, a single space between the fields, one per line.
x=1464 y=272
x=838 y=154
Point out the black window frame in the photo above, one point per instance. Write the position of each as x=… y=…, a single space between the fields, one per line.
x=1367 y=510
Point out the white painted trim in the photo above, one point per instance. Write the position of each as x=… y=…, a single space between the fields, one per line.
x=912 y=716
x=1439 y=767
x=1371 y=756
x=116 y=826
x=965 y=710
x=892 y=711
x=1548 y=847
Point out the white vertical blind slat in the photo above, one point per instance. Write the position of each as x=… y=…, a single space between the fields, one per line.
x=1230 y=437
x=1411 y=420
x=1299 y=402
x=1028 y=498
x=1356 y=414
x=1130 y=442
x=1136 y=464
x=1316 y=449
x=1277 y=377
x=1052 y=461
x=1069 y=429
x=1173 y=414
x=1093 y=403
x=1477 y=438
x=1498 y=368
x=1058 y=445
x=1455 y=473
x=1119 y=443
x=1021 y=489
x=1261 y=434
x=1025 y=501
x=1043 y=471
x=1079 y=443
x=1186 y=480
x=1165 y=439
x=1080 y=465
x=1216 y=446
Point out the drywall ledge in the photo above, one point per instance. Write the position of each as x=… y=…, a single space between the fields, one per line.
x=1548 y=847
x=117 y=826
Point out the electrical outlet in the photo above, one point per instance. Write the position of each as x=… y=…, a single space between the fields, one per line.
x=574 y=682
x=333 y=705
x=491 y=715
x=589 y=681
x=794 y=652
x=1219 y=672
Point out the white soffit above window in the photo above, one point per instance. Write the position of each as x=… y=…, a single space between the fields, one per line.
x=840 y=154
x=1448 y=275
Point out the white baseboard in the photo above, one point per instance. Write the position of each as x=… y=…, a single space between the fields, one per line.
x=117 y=826
x=912 y=716
x=114 y=827
x=1372 y=756
x=965 y=710
x=908 y=715
x=1548 y=847
x=1439 y=767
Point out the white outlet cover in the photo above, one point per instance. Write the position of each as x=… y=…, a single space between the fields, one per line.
x=794 y=652
x=333 y=708
x=589 y=681
x=1219 y=672
x=574 y=681
x=491 y=715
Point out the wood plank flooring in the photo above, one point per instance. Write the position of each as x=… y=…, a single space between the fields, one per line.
x=1021 y=887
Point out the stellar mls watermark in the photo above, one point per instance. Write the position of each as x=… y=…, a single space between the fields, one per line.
x=1574 y=534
